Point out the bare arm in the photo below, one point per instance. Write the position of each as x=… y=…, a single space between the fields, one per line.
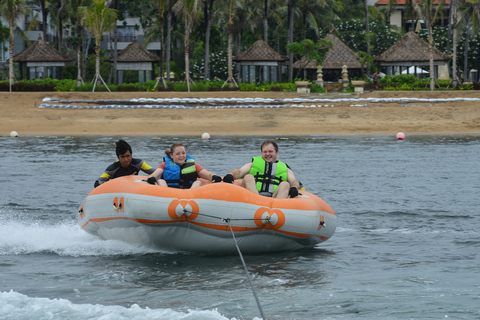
x=157 y=173
x=239 y=173
x=205 y=174
x=292 y=180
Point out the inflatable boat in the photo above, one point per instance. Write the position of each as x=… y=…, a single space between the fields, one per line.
x=209 y=219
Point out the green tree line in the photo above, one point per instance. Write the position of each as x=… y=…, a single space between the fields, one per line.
x=200 y=37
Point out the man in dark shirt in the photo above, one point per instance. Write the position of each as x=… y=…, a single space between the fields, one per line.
x=125 y=166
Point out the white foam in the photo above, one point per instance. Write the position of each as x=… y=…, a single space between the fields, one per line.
x=66 y=239
x=14 y=305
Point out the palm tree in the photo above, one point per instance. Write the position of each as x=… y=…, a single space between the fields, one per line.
x=168 y=42
x=243 y=21
x=45 y=10
x=278 y=13
x=207 y=15
x=232 y=6
x=151 y=33
x=291 y=14
x=189 y=11
x=469 y=17
x=309 y=11
x=12 y=10
x=454 y=25
x=97 y=19
x=265 y=21
x=76 y=19
x=367 y=32
x=428 y=11
x=161 y=18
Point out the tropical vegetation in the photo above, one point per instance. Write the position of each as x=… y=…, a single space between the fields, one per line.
x=200 y=37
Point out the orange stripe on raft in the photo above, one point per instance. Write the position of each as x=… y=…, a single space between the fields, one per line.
x=147 y=221
x=205 y=225
x=126 y=218
x=214 y=191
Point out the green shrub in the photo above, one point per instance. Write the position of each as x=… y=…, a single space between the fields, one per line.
x=466 y=87
x=129 y=88
x=89 y=87
x=316 y=88
x=26 y=86
x=247 y=86
x=70 y=72
x=398 y=79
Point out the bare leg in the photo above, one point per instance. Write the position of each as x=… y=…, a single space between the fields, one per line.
x=249 y=183
x=162 y=183
x=282 y=190
x=196 y=184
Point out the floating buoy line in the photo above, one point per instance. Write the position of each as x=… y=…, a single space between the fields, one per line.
x=236 y=103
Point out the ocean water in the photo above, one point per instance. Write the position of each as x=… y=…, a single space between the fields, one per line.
x=406 y=247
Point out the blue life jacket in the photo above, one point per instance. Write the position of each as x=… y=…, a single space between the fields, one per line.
x=180 y=176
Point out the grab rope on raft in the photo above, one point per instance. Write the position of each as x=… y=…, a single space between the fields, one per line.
x=227 y=221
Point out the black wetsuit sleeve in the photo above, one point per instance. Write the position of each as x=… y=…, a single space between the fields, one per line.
x=139 y=164
x=108 y=174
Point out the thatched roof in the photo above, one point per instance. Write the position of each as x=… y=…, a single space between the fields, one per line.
x=134 y=52
x=404 y=2
x=336 y=58
x=260 y=51
x=311 y=65
x=41 y=51
x=410 y=48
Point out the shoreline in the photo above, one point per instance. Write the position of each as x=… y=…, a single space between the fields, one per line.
x=20 y=112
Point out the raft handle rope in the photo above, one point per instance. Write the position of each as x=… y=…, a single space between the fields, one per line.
x=227 y=221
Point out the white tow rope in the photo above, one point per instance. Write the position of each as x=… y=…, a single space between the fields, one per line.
x=246 y=270
x=239 y=253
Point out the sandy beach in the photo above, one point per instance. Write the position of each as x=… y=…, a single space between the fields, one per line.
x=20 y=112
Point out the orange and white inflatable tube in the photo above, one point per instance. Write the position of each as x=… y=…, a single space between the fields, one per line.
x=202 y=219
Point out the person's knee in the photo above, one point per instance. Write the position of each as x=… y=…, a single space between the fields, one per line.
x=248 y=180
x=284 y=185
x=282 y=190
x=196 y=184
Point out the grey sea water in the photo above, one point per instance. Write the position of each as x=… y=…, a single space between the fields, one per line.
x=406 y=246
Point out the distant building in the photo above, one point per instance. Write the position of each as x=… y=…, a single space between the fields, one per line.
x=135 y=58
x=127 y=31
x=31 y=26
x=401 y=17
x=260 y=63
x=412 y=51
x=41 y=61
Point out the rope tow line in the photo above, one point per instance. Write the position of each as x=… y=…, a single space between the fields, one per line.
x=227 y=221
x=246 y=270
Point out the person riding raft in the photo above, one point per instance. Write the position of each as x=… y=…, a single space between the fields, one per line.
x=179 y=170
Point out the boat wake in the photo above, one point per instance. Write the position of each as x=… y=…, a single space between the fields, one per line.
x=64 y=238
x=15 y=305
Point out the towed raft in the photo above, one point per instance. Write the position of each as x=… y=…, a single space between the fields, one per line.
x=207 y=219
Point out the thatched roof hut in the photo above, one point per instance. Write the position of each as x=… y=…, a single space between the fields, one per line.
x=41 y=55
x=410 y=50
x=260 y=62
x=135 y=58
x=336 y=58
